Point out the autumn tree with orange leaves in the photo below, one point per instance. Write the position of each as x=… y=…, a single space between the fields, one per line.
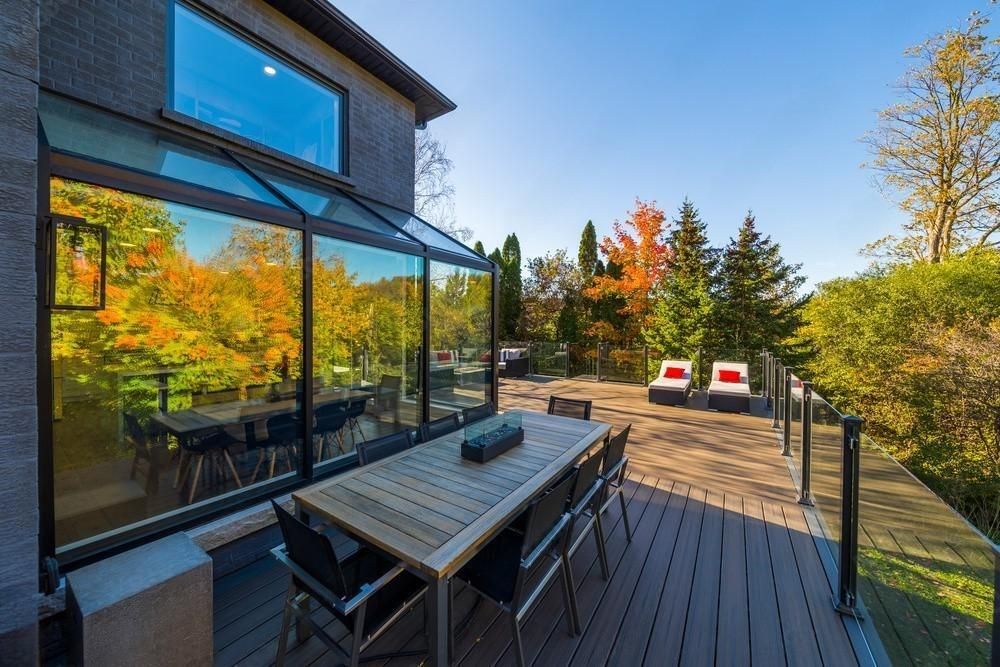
x=640 y=250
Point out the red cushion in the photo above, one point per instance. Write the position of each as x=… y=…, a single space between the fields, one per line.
x=444 y=356
x=485 y=356
x=729 y=376
x=674 y=373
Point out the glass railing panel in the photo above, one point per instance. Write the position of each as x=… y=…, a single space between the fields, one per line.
x=826 y=456
x=622 y=364
x=548 y=359
x=795 y=439
x=925 y=574
x=581 y=360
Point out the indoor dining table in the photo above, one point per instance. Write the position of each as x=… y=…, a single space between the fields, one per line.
x=433 y=509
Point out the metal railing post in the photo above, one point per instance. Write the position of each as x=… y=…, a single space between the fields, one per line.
x=847 y=585
x=786 y=435
x=776 y=385
x=645 y=365
x=995 y=641
x=768 y=373
x=566 y=359
x=700 y=369
x=805 y=495
x=600 y=345
x=763 y=372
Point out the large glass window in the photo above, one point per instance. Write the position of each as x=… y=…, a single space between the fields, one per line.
x=461 y=338
x=220 y=79
x=186 y=384
x=367 y=327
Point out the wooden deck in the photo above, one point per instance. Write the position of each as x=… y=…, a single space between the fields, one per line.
x=724 y=567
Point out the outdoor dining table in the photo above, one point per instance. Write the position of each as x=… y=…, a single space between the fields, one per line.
x=185 y=423
x=433 y=509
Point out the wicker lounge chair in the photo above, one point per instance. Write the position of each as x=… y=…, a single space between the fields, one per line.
x=729 y=396
x=671 y=391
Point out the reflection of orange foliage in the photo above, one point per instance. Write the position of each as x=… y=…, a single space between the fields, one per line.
x=109 y=316
x=126 y=342
x=135 y=260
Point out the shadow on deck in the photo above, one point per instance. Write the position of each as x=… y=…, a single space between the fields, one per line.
x=724 y=566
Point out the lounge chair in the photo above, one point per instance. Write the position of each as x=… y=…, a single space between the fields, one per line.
x=730 y=387
x=671 y=391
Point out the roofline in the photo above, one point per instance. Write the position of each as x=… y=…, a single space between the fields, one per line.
x=430 y=102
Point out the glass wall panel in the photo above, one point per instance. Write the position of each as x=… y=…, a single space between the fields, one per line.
x=367 y=328
x=220 y=79
x=461 y=338
x=186 y=385
x=419 y=229
x=75 y=128
x=326 y=203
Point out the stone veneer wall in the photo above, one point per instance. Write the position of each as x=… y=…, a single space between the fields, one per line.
x=18 y=413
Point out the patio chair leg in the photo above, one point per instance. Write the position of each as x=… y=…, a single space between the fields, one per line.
x=195 y=478
x=359 y=635
x=232 y=468
x=569 y=587
x=261 y=455
x=518 y=645
x=274 y=460
x=180 y=466
x=602 y=554
x=628 y=528
x=286 y=623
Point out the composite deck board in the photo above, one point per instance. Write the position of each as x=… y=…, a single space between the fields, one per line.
x=721 y=569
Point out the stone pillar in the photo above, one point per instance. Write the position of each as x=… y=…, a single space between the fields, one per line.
x=19 y=563
x=151 y=606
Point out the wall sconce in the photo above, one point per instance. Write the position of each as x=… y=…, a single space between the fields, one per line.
x=78 y=264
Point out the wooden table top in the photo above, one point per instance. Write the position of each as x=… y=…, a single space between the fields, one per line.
x=433 y=509
x=217 y=415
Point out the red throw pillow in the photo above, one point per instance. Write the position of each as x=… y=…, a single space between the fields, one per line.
x=729 y=376
x=444 y=356
x=674 y=373
x=485 y=356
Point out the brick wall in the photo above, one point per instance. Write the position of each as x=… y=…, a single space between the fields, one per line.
x=18 y=414
x=112 y=53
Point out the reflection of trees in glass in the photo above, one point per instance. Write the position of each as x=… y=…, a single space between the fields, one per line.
x=212 y=311
x=358 y=315
x=461 y=310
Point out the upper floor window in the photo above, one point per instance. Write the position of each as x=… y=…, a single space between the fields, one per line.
x=220 y=79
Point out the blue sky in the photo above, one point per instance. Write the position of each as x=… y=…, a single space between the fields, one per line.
x=570 y=110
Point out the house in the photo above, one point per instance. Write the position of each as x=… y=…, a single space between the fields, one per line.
x=214 y=284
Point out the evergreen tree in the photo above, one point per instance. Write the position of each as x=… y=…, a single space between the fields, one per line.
x=511 y=288
x=587 y=256
x=480 y=248
x=682 y=315
x=758 y=304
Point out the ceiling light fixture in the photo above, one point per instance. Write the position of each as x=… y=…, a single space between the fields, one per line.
x=269 y=70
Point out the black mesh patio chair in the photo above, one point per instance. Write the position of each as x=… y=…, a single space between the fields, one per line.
x=438 y=427
x=613 y=473
x=330 y=422
x=213 y=446
x=585 y=518
x=570 y=407
x=356 y=408
x=501 y=570
x=470 y=415
x=380 y=448
x=364 y=591
x=283 y=433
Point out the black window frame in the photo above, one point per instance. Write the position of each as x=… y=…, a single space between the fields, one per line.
x=241 y=33
x=54 y=163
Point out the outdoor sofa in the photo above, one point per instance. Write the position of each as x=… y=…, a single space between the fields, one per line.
x=666 y=390
x=514 y=362
x=730 y=387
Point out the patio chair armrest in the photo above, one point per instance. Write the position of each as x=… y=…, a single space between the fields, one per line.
x=337 y=602
x=546 y=543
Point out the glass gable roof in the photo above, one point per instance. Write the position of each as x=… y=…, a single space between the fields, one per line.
x=419 y=229
x=325 y=202
x=75 y=128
